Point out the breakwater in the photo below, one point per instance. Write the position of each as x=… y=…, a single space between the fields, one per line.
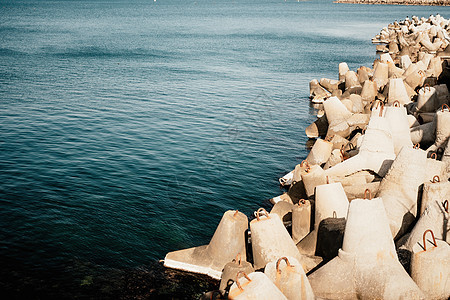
x=366 y=213
x=398 y=2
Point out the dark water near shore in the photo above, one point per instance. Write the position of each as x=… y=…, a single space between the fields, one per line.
x=127 y=128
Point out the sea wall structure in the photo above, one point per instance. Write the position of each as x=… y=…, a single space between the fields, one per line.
x=365 y=215
x=398 y=2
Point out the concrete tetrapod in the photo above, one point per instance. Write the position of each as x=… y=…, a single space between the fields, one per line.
x=430 y=267
x=427 y=100
x=423 y=134
x=351 y=80
x=231 y=270
x=369 y=91
x=289 y=276
x=255 y=285
x=270 y=241
x=367 y=266
x=284 y=210
x=435 y=168
x=318 y=128
x=375 y=154
x=301 y=220
x=226 y=243
x=331 y=201
x=320 y=152
x=398 y=122
x=343 y=69
x=434 y=217
x=397 y=92
x=399 y=188
x=312 y=177
x=337 y=115
x=381 y=75
x=442 y=128
x=434 y=189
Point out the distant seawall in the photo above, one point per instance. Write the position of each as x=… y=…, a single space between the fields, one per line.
x=399 y=2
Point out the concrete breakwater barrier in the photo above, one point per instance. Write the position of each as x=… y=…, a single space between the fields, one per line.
x=366 y=214
x=398 y=2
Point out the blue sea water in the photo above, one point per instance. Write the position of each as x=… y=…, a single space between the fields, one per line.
x=127 y=128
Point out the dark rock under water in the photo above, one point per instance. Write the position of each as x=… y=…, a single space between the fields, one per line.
x=83 y=280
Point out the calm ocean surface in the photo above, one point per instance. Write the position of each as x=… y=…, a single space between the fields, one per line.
x=127 y=128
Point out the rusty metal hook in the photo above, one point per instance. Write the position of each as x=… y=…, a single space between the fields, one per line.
x=237 y=279
x=436 y=179
x=278 y=263
x=432 y=235
x=258 y=212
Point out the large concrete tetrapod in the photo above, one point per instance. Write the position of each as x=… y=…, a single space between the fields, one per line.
x=369 y=91
x=381 y=75
x=320 y=152
x=430 y=267
x=434 y=217
x=226 y=243
x=288 y=275
x=375 y=154
x=423 y=134
x=442 y=128
x=343 y=69
x=397 y=118
x=367 y=266
x=434 y=190
x=399 y=188
x=231 y=270
x=337 y=115
x=427 y=101
x=255 y=285
x=301 y=220
x=397 y=92
x=270 y=241
x=312 y=177
x=331 y=201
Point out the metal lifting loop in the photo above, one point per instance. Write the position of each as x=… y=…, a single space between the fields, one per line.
x=304 y=162
x=396 y=103
x=436 y=179
x=433 y=155
x=381 y=109
x=308 y=168
x=235 y=213
x=237 y=279
x=302 y=201
x=278 y=263
x=445 y=105
x=258 y=212
x=342 y=153
x=445 y=205
x=238 y=256
x=416 y=146
x=424 y=242
x=365 y=194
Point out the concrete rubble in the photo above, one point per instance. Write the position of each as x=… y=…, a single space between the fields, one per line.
x=359 y=212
